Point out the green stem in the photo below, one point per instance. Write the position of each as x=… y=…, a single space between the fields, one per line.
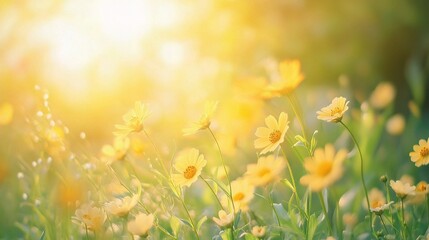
x=224 y=168
x=427 y=205
x=404 y=226
x=382 y=222
x=298 y=201
x=325 y=211
x=157 y=152
x=361 y=175
x=190 y=218
x=300 y=121
x=211 y=189
x=272 y=206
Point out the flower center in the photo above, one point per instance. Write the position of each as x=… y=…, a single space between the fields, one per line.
x=238 y=197
x=424 y=152
x=376 y=204
x=275 y=136
x=136 y=124
x=421 y=187
x=263 y=172
x=190 y=172
x=335 y=111
x=324 y=168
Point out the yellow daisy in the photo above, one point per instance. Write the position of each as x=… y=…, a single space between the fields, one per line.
x=90 y=217
x=291 y=77
x=335 y=111
x=259 y=231
x=270 y=137
x=141 y=224
x=401 y=189
x=265 y=171
x=224 y=219
x=121 y=206
x=205 y=120
x=117 y=151
x=189 y=164
x=420 y=156
x=133 y=120
x=242 y=194
x=324 y=168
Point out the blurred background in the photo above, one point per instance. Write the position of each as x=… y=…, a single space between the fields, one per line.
x=84 y=63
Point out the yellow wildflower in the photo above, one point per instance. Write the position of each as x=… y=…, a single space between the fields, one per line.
x=117 y=151
x=324 y=168
x=422 y=190
x=133 y=120
x=291 y=77
x=401 y=189
x=205 y=120
x=270 y=137
x=334 y=112
x=242 y=194
x=90 y=217
x=121 y=206
x=265 y=171
x=189 y=163
x=382 y=95
x=141 y=224
x=6 y=113
x=420 y=156
x=224 y=219
x=259 y=231
x=395 y=125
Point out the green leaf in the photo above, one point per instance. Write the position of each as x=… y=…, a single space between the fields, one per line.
x=200 y=222
x=237 y=218
x=300 y=138
x=43 y=235
x=227 y=234
x=281 y=211
x=416 y=79
x=186 y=222
x=175 y=224
x=288 y=184
x=250 y=237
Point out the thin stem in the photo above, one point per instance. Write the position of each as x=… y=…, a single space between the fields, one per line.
x=325 y=211
x=190 y=218
x=427 y=205
x=224 y=168
x=291 y=177
x=157 y=152
x=300 y=121
x=211 y=189
x=361 y=175
x=272 y=206
x=404 y=227
x=382 y=222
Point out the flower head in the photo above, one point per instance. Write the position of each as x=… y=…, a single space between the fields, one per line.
x=117 y=151
x=121 y=206
x=224 y=219
x=133 y=120
x=324 y=168
x=242 y=194
x=401 y=189
x=420 y=156
x=259 y=231
x=270 y=137
x=382 y=95
x=377 y=201
x=395 y=125
x=91 y=217
x=265 y=171
x=189 y=163
x=334 y=112
x=141 y=224
x=291 y=77
x=205 y=120
x=422 y=190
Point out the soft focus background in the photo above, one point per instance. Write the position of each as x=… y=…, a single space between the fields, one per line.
x=82 y=64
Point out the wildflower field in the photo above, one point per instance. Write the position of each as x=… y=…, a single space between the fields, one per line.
x=221 y=120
